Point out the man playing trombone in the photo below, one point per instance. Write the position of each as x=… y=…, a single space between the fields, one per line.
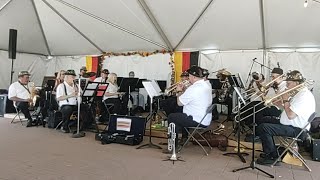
x=298 y=103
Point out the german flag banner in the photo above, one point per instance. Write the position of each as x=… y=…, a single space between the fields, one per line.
x=92 y=64
x=183 y=61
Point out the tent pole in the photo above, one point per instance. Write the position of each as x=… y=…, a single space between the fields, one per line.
x=155 y=23
x=2 y=7
x=70 y=24
x=40 y=24
x=263 y=32
x=111 y=24
x=194 y=23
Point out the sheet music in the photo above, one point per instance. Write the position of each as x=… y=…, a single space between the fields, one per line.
x=88 y=93
x=156 y=86
x=92 y=85
x=151 y=90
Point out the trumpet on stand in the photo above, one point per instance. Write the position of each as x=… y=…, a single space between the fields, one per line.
x=172 y=143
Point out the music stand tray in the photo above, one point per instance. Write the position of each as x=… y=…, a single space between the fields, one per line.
x=128 y=84
x=215 y=83
x=162 y=84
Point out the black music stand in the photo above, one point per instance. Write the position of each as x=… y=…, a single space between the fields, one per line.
x=119 y=80
x=128 y=85
x=152 y=89
x=215 y=83
x=162 y=85
x=88 y=92
x=238 y=126
x=253 y=163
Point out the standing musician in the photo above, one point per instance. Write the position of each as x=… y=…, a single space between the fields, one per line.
x=296 y=111
x=104 y=76
x=67 y=96
x=195 y=101
x=223 y=95
x=20 y=94
x=111 y=95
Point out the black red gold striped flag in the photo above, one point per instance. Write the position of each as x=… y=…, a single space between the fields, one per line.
x=183 y=61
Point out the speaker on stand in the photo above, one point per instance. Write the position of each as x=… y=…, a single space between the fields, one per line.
x=12 y=48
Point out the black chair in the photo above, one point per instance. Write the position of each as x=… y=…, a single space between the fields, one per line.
x=198 y=130
x=289 y=142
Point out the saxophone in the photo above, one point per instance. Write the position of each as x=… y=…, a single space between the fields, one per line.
x=33 y=94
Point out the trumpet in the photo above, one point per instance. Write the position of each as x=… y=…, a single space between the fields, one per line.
x=186 y=83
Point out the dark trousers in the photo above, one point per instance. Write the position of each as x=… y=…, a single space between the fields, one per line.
x=266 y=131
x=85 y=115
x=182 y=120
x=117 y=105
x=24 y=107
x=170 y=105
x=267 y=111
x=228 y=102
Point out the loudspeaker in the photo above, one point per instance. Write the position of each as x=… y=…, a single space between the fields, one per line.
x=316 y=149
x=12 y=43
x=3 y=100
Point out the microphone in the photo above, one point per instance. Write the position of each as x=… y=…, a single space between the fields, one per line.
x=278 y=64
x=254 y=59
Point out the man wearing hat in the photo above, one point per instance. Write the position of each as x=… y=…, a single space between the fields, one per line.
x=66 y=95
x=20 y=94
x=296 y=111
x=184 y=76
x=83 y=70
x=195 y=101
x=104 y=76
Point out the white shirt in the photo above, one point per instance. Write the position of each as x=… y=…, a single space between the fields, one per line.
x=208 y=83
x=18 y=90
x=196 y=99
x=112 y=88
x=303 y=104
x=281 y=87
x=99 y=79
x=61 y=92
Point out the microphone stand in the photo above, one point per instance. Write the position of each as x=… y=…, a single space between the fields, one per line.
x=253 y=163
x=250 y=70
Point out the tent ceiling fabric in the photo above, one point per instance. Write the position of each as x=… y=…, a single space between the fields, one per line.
x=225 y=25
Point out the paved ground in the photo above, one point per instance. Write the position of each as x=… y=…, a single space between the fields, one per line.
x=42 y=153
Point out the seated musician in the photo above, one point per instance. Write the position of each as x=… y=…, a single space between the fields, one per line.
x=223 y=95
x=296 y=111
x=195 y=101
x=262 y=116
x=59 y=79
x=136 y=99
x=67 y=93
x=111 y=95
x=20 y=94
x=104 y=76
x=170 y=105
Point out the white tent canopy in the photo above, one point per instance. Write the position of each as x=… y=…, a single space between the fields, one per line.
x=80 y=27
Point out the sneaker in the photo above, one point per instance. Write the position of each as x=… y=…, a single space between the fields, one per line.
x=267 y=160
x=29 y=123
x=65 y=130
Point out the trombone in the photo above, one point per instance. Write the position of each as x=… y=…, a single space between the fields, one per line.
x=270 y=101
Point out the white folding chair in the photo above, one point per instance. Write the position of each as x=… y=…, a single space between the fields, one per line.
x=18 y=111
x=289 y=142
x=198 y=130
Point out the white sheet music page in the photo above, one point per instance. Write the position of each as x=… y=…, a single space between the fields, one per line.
x=150 y=89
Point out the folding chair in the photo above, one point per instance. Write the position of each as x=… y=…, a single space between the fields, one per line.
x=108 y=106
x=18 y=111
x=289 y=142
x=198 y=130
